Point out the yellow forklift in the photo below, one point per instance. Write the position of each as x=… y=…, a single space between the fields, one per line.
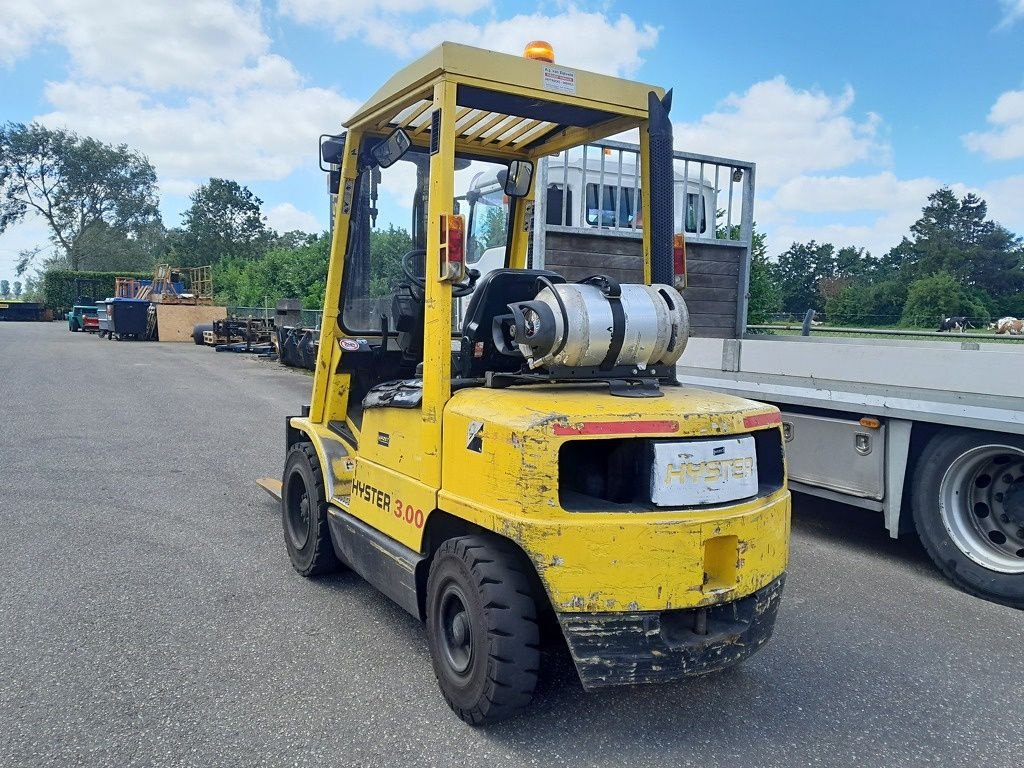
x=496 y=452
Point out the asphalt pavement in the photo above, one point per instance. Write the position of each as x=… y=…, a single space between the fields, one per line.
x=149 y=614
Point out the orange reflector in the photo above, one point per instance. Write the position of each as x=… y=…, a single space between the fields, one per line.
x=679 y=261
x=456 y=239
x=452 y=254
x=870 y=422
x=616 y=427
x=540 y=50
x=762 y=420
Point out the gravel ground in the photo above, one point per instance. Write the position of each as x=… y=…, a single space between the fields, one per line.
x=149 y=615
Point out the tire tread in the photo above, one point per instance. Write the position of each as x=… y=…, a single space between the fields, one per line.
x=510 y=612
x=324 y=559
x=940 y=450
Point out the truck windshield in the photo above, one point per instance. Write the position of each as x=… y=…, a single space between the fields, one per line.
x=603 y=210
x=696 y=214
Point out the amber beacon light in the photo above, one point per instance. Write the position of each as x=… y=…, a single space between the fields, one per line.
x=540 y=50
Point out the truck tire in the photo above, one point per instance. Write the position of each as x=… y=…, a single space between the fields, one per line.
x=968 y=505
x=307 y=533
x=482 y=628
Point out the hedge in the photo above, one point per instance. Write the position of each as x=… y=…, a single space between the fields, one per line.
x=59 y=292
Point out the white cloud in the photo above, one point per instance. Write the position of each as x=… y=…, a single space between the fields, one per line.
x=257 y=134
x=352 y=19
x=1013 y=11
x=591 y=41
x=160 y=45
x=30 y=233
x=786 y=131
x=1003 y=198
x=190 y=83
x=876 y=237
x=355 y=17
x=179 y=187
x=21 y=24
x=285 y=217
x=873 y=212
x=843 y=194
x=594 y=41
x=1005 y=141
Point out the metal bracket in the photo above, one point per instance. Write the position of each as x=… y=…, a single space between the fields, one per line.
x=731 y=355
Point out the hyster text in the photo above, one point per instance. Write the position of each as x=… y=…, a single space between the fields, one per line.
x=712 y=471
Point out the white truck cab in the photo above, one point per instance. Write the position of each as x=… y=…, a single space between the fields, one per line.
x=588 y=193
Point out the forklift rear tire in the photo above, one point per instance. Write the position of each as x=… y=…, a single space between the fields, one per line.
x=968 y=504
x=307 y=532
x=482 y=628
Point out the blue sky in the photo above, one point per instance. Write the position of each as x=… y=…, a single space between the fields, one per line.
x=853 y=112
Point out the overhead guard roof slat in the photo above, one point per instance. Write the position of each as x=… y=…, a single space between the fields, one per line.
x=505 y=102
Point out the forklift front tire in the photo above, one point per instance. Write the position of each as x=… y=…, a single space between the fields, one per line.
x=482 y=628
x=307 y=532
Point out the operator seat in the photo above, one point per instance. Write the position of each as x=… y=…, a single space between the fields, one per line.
x=495 y=291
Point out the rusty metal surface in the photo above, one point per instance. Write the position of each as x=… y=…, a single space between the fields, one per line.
x=661 y=646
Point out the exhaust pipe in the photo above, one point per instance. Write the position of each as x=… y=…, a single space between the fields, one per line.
x=660 y=202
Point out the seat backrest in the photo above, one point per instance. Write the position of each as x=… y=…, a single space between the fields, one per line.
x=495 y=291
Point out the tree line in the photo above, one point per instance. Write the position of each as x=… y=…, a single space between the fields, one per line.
x=100 y=203
x=954 y=261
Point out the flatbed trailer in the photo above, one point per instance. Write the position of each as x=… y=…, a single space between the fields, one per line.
x=928 y=433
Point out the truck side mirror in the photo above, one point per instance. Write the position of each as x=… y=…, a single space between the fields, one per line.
x=517 y=180
x=388 y=152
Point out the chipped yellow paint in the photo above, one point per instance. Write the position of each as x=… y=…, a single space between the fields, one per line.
x=394 y=437
x=615 y=560
x=393 y=503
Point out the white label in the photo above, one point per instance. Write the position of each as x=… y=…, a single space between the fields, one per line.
x=703 y=472
x=559 y=79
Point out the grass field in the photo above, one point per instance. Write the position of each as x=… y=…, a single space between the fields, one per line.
x=895 y=332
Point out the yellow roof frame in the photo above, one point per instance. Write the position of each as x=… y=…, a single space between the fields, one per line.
x=507 y=105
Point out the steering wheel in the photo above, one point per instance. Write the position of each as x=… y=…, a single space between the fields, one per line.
x=413 y=262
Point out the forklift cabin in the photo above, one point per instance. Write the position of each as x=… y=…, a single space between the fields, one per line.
x=451 y=467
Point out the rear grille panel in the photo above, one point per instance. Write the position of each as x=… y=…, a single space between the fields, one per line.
x=614 y=475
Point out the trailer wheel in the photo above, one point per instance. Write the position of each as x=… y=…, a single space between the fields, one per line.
x=307 y=533
x=968 y=505
x=482 y=628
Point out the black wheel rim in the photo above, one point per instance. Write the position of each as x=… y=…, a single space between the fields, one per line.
x=455 y=630
x=297 y=511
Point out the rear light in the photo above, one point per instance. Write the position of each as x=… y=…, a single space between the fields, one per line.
x=453 y=247
x=456 y=239
x=679 y=262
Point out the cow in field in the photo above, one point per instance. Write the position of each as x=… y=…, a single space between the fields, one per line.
x=959 y=324
x=1010 y=326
